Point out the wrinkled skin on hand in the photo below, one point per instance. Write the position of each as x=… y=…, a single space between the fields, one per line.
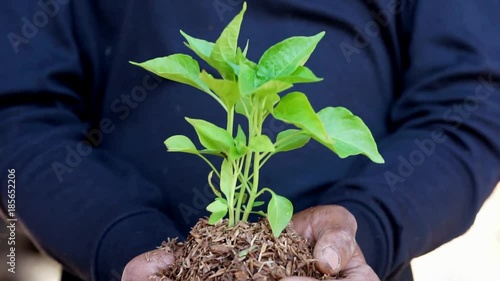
x=331 y=228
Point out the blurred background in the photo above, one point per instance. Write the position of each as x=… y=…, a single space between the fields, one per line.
x=471 y=257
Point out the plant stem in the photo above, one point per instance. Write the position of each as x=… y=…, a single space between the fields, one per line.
x=248 y=162
x=271 y=154
x=244 y=179
x=210 y=164
x=255 y=186
x=256 y=163
x=217 y=99
x=230 y=120
x=230 y=200
x=242 y=191
x=262 y=192
x=267 y=157
x=231 y=214
x=237 y=167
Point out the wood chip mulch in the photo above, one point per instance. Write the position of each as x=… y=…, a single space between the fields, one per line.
x=247 y=251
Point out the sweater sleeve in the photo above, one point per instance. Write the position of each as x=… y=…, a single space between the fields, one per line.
x=82 y=205
x=443 y=152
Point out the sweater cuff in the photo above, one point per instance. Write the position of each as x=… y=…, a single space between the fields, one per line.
x=128 y=237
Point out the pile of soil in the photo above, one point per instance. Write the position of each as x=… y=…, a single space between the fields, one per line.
x=247 y=251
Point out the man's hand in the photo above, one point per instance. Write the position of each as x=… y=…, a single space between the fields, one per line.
x=142 y=267
x=332 y=229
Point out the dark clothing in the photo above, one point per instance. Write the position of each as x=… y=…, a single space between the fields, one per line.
x=424 y=75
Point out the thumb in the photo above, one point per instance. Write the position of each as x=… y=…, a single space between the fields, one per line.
x=334 y=249
x=333 y=229
x=146 y=265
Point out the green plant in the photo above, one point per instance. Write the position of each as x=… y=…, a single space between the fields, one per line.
x=252 y=89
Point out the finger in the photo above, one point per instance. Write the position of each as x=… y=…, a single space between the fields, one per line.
x=333 y=250
x=308 y=223
x=367 y=277
x=334 y=230
x=144 y=266
x=357 y=270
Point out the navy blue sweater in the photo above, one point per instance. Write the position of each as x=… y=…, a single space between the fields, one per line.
x=84 y=130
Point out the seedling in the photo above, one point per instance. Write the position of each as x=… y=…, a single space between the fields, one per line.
x=252 y=90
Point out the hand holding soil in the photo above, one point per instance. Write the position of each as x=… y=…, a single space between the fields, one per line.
x=333 y=229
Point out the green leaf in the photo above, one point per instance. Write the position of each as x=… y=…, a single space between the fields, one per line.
x=260 y=213
x=219 y=205
x=295 y=109
x=241 y=58
x=179 y=67
x=301 y=75
x=219 y=209
x=237 y=152
x=216 y=217
x=245 y=252
x=272 y=87
x=226 y=90
x=241 y=144
x=245 y=51
x=240 y=136
x=270 y=101
x=261 y=143
x=201 y=47
x=291 y=139
x=216 y=152
x=258 y=203
x=244 y=102
x=279 y=213
x=211 y=136
x=284 y=58
x=226 y=178
x=224 y=51
x=180 y=143
x=349 y=133
x=246 y=79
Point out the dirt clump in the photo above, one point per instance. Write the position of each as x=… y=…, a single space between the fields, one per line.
x=247 y=251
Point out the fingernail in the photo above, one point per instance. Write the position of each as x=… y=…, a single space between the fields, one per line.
x=332 y=257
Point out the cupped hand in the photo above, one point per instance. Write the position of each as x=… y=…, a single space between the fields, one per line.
x=332 y=229
x=144 y=266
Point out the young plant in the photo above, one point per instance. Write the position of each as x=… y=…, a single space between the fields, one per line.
x=251 y=89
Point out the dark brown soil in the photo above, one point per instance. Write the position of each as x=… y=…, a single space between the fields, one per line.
x=247 y=251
